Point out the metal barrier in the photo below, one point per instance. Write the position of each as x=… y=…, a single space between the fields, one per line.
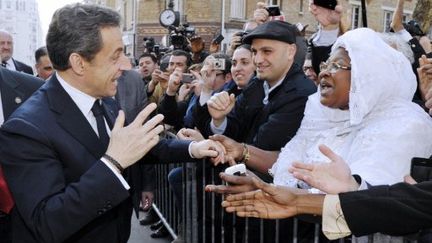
x=201 y=216
x=202 y=219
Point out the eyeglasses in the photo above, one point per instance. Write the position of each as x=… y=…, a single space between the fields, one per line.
x=332 y=67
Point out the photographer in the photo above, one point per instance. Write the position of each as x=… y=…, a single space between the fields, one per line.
x=159 y=83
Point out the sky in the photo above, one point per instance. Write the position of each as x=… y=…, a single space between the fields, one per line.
x=47 y=9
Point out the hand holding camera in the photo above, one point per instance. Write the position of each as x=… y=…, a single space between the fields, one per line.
x=326 y=12
x=174 y=82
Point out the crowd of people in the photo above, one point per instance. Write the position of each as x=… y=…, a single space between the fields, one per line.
x=320 y=130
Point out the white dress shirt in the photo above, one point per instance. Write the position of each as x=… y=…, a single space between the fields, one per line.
x=85 y=103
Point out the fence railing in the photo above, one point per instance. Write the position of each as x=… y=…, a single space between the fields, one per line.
x=198 y=216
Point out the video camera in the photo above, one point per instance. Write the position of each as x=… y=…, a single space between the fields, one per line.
x=413 y=27
x=179 y=36
x=152 y=47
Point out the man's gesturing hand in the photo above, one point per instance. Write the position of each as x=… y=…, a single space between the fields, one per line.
x=128 y=144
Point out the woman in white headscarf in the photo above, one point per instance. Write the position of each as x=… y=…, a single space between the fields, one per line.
x=363 y=112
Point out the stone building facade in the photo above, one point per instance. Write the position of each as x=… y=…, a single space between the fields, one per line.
x=209 y=18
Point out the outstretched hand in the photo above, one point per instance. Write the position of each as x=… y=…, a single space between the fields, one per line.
x=333 y=177
x=233 y=149
x=208 y=148
x=270 y=202
x=235 y=184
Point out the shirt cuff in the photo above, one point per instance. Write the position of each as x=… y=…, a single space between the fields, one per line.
x=220 y=129
x=334 y=225
x=116 y=173
x=404 y=34
x=190 y=149
x=204 y=97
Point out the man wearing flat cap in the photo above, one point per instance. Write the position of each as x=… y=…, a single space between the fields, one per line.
x=269 y=111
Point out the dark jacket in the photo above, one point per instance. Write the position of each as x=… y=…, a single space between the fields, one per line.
x=63 y=191
x=395 y=210
x=21 y=67
x=270 y=126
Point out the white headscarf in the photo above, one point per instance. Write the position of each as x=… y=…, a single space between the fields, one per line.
x=379 y=133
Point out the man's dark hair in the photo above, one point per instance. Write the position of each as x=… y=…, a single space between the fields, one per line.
x=227 y=61
x=40 y=52
x=152 y=56
x=244 y=46
x=183 y=53
x=76 y=28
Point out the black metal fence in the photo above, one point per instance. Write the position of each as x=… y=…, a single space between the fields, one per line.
x=199 y=216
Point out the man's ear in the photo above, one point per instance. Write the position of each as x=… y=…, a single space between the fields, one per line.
x=291 y=51
x=77 y=63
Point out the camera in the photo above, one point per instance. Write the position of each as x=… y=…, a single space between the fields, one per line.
x=329 y=4
x=273 y=10
x=152 y=47
x=421 y=169
x=219 y=64
x=179 y=36
x=218 y=39
x=187 y=78
x=413 y=27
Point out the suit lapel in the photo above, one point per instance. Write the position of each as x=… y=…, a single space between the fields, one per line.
x=11 y=96
x=71 y=118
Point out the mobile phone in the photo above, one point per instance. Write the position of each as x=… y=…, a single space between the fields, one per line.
x=187 y=78
x=421 y=169
x=329 y=4
x=273 y=10
x=218 y=39
x=238 y=170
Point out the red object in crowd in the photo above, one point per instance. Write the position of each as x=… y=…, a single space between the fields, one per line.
x=6 y=200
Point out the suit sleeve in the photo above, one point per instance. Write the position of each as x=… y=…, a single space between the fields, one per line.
x=396 y=210
x=171 y=151
x=44 y=197
x=172 y=110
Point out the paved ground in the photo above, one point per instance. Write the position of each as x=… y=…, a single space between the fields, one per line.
x=141 y=234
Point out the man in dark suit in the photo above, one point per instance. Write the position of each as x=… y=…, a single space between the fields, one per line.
x=64 y=168
x=132 y=98
x=15 y=88
x=6 y=52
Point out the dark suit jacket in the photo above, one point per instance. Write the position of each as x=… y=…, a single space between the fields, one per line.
x=270 y=126
x=16 y=88
x=132 y=98
x=21 y=67
x=63 y=191
x=395 y=210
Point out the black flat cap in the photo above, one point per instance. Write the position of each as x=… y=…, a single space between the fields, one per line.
x=273 y=30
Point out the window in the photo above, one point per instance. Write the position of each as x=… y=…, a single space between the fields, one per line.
x=238 y=9
x=355 y=17
x=387 y=20
x=388 y=15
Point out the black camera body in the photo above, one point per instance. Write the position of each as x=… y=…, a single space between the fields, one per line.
x=152 y=47
x=179 y=36
x=413 y=27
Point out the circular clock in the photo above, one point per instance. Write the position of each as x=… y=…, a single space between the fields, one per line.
x=169 y=17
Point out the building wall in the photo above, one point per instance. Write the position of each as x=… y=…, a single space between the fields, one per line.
x=21 y=19
x=206 y=16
